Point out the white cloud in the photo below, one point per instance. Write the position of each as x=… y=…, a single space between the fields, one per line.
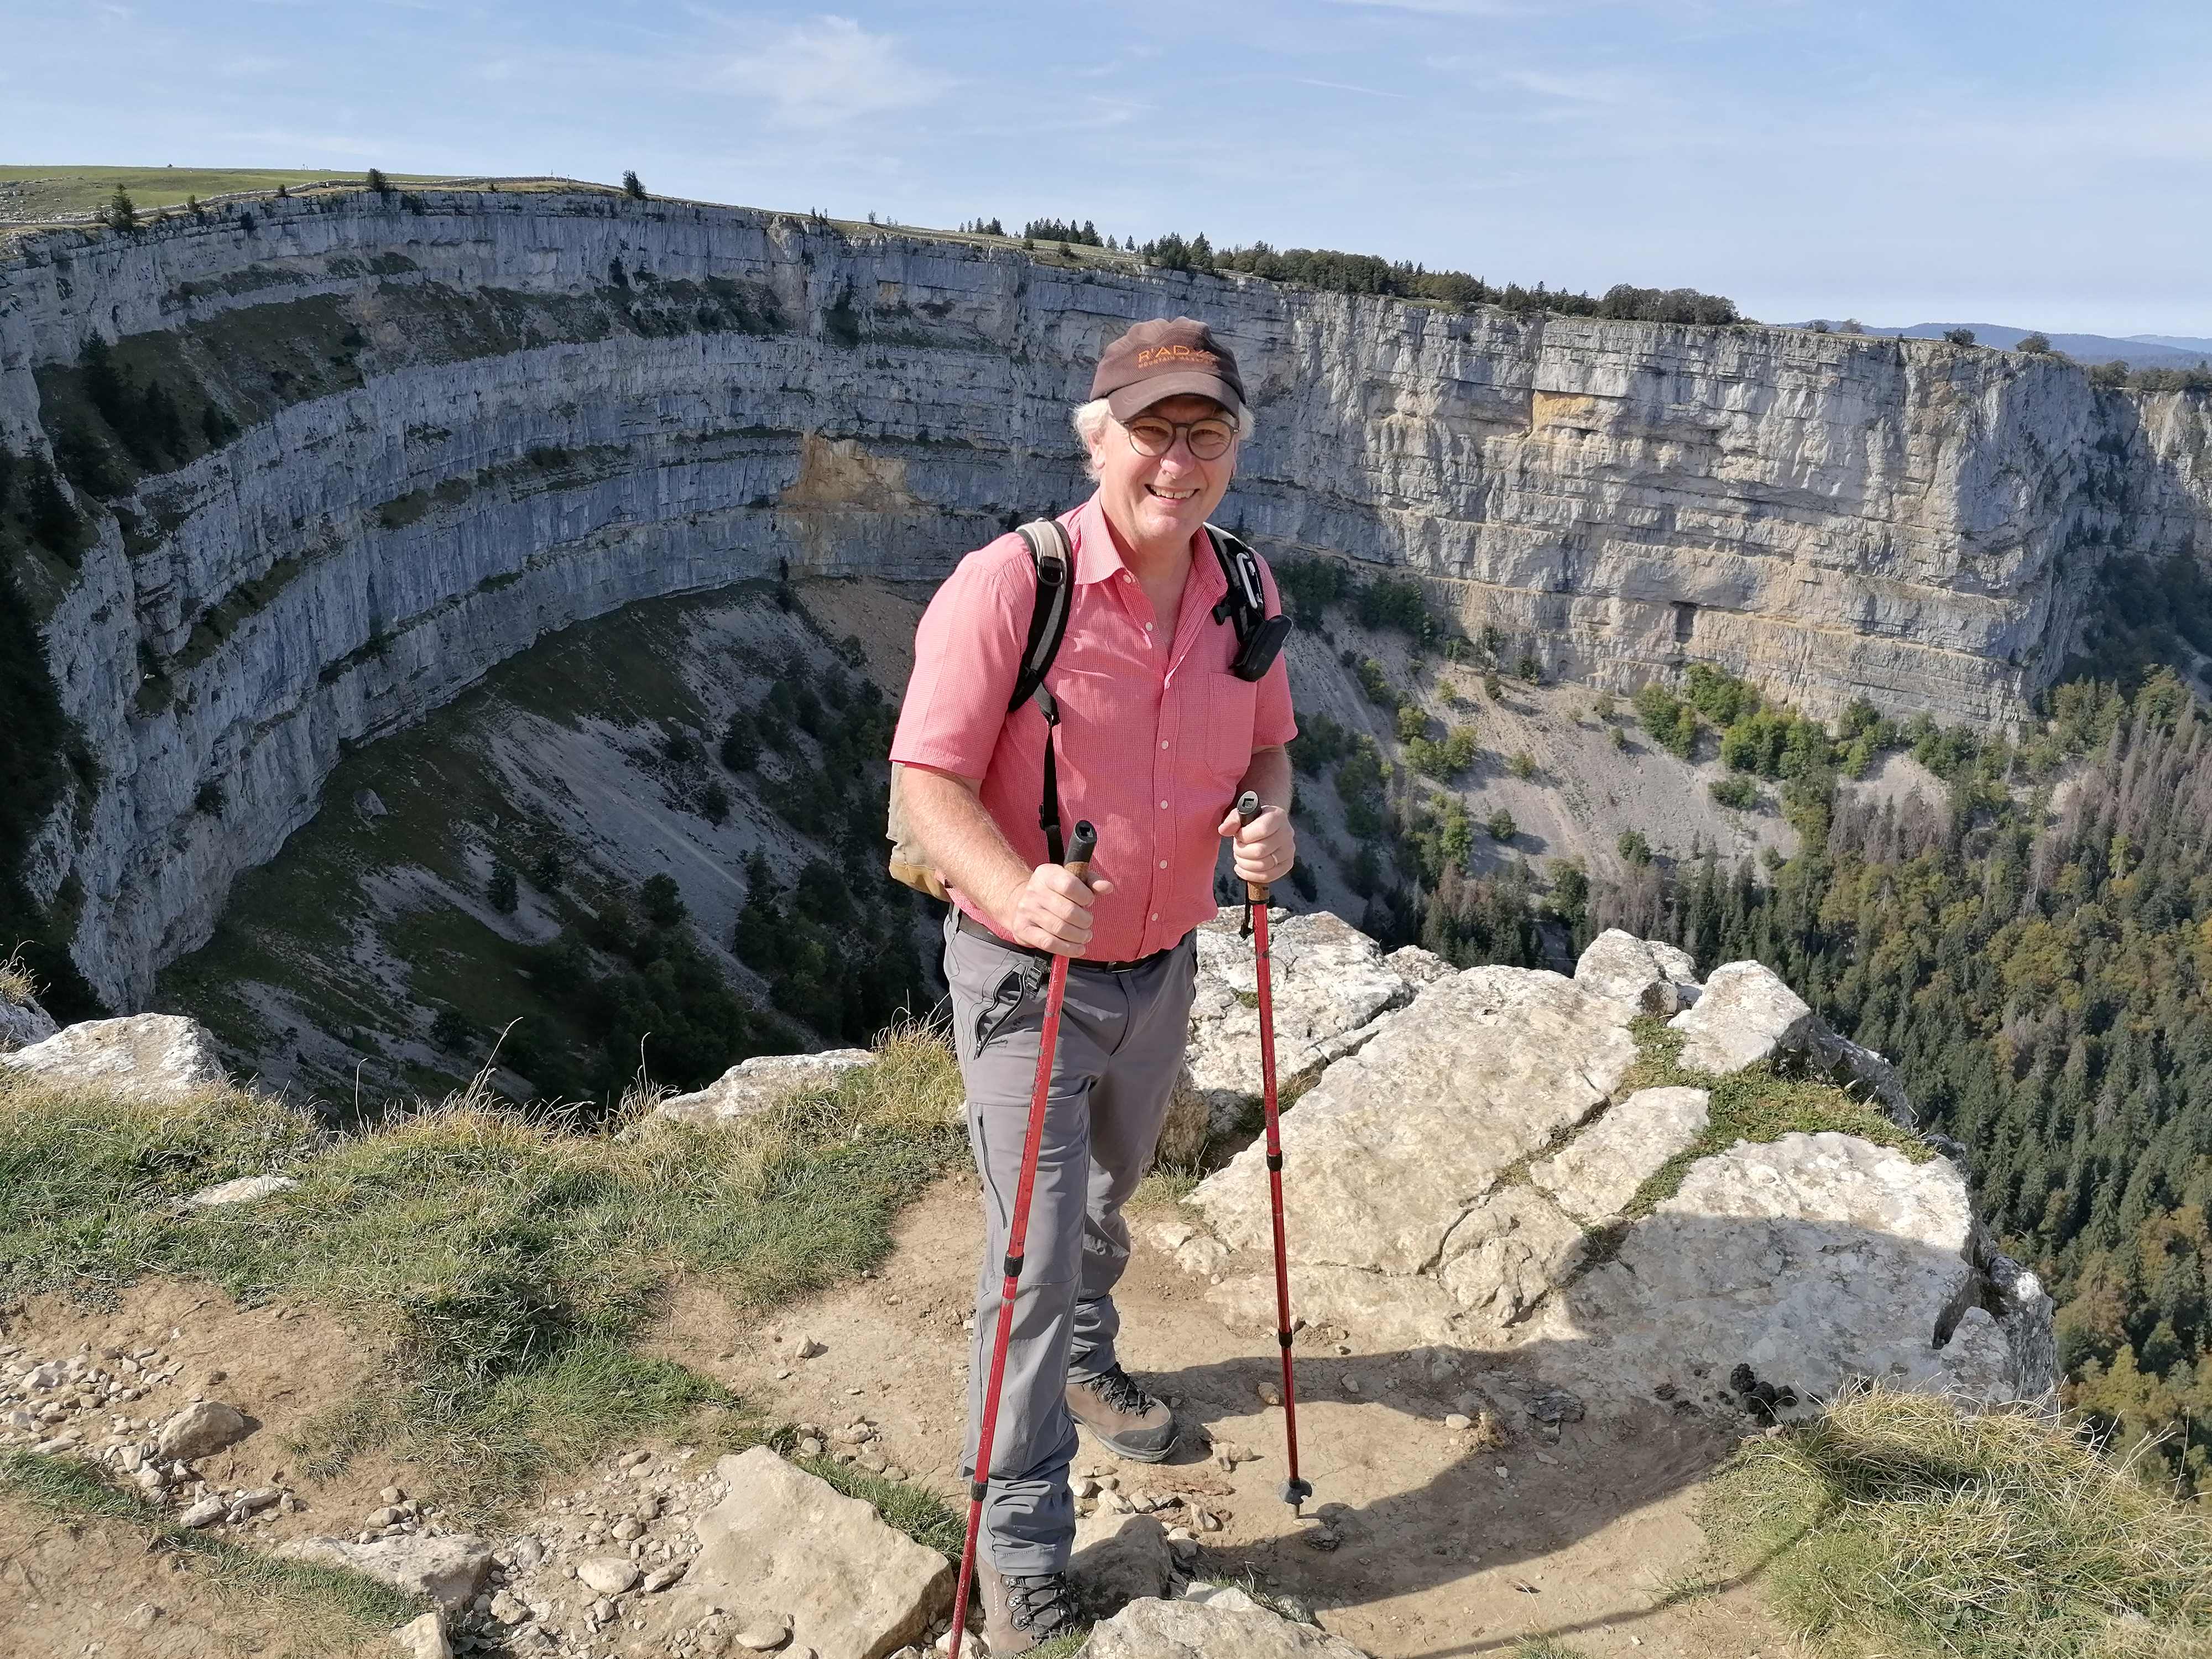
x=1585 y=87
x=831 y=70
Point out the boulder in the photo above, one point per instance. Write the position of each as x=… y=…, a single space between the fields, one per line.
x=152 y=1057
x=1595 y=1174
x=1655 y=979
x=423 y=1639
x=1120 y=1559
x=449 y=1571
x=1814 y=1259
x=244 y=1190
x=1330 y=985
x=1746 y=1015
x=1398 y=1143
x=784 y=1542
x=753 y=1085
x=22 y=1022
x=1226 y=1624
x=204 y=1427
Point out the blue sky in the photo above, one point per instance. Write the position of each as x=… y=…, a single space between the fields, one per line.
x=2043 y=165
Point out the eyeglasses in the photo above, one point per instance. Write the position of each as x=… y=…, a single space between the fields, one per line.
x=1209 y=438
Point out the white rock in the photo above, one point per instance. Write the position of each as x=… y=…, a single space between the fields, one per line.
x=207 y=1425
x=450 y=1569
x=423 y=1639
x=244 y=1190
x=1746 y=1015
x=1599 y=1172
x=854 y=1587
x=753 y=1085
x=609 y=1574
x=1620 y=965
x=206 y=1513
x=1226 y=1624
x=154 y=1057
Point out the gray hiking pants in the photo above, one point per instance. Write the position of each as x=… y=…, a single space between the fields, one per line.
x=1114 y=1071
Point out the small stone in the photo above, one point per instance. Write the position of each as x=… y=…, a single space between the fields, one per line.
x=392 y=1495
x=626 y=1530
x=423 y=1639
x=507 y=1609
x=764 y=1637
x=1458 y=1420
x=206 y=1513
x=809 y=1349
x=810 y=1447
x=609 y=1574
x=661 y=1578
x=202 y=1429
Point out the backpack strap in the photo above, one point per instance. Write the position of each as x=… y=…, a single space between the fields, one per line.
x=1244 y=606
x=1053 y=561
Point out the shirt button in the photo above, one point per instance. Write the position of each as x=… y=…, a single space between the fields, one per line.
x=1163 y=864
x=1156 y=915
x=1148 y=627
x=1163 y=806
x=1164 y=742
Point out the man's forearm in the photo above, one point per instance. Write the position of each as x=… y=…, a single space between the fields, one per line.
x=1268 y=776
x=962 y=840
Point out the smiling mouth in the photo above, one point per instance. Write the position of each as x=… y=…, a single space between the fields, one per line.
x=1176 y=496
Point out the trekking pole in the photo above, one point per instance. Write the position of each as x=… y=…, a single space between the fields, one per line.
x=1295 y=1490
x=1078 y=861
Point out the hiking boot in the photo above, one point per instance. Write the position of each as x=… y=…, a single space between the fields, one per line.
x=1130 y=1422
x=1021 y=1611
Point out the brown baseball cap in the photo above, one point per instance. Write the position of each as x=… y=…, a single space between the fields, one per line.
x=1169 y=357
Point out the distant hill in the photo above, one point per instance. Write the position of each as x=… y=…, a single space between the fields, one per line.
x=2178 y=342
x=2139 y=351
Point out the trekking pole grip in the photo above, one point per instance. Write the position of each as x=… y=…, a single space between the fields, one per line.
x=1079 y=849
x=1248 y=808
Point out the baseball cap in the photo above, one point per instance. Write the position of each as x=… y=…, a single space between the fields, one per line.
x=1169 y=357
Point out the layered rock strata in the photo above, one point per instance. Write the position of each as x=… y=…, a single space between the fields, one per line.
x=468 y=419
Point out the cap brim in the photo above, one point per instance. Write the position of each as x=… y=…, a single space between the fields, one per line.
x=1134 y=400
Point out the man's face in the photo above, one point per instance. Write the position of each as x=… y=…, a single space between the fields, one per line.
x=1158 y=499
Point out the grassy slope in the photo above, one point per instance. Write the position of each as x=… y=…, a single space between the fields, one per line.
x=505 y=1267
x=64 y=189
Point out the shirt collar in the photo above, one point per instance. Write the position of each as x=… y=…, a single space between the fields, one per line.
x=1098 y=560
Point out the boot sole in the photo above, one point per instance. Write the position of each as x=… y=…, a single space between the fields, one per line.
x=1129 y=1454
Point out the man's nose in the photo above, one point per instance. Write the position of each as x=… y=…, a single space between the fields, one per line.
x=1178 y=458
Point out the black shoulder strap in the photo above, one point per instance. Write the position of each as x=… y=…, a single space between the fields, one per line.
x=1047 y=540
x=1245 y=604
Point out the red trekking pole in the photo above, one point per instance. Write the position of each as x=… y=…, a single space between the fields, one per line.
x=1295 y=1490
x=1078 y=861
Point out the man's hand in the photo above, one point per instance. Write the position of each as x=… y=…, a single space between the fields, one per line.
x=1264 y=849
x=1051 y=910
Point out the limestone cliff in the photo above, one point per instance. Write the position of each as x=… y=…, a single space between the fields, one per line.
x=465 y=420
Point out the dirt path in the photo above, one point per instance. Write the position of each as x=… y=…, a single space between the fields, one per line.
x=1446 y=1549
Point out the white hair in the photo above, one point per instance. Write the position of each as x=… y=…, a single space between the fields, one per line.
x=1089 y=421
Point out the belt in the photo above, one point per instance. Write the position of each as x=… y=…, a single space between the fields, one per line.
x=975 y=929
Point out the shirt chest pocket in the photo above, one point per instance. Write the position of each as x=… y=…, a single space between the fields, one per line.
x=1225 y=709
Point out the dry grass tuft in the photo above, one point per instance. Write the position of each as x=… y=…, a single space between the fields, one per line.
x=1897 y=1524
x=16 y=984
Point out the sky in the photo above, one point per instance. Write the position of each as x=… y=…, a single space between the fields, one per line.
x=2042 y=164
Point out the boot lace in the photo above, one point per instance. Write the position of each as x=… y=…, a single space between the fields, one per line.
x=1041 y=1605
x=1120 y=1392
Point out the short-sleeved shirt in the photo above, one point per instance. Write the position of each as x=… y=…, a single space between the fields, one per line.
x=1153 y=745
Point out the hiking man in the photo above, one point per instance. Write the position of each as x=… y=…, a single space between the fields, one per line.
x=1163 y=719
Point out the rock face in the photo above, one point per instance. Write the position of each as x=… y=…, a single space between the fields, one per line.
x=146 y=1056
x=1474 y=1176
x=754 y=1085
x=784 y=1544
x=529 y=408
x=22 y=1023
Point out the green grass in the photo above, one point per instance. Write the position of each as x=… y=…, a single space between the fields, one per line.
x=86 y=189
x=503 y=1267
x=1896 y=1526
x=1544 y=1647
x=319 y=1609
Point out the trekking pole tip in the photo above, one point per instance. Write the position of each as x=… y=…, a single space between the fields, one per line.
x=1297 y=1491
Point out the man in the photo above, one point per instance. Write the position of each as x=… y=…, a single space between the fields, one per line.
x=1157 y=740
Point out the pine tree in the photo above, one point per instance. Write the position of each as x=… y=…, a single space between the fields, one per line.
x=631 y=187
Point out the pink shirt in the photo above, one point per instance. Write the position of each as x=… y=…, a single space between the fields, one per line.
x=1152 y=743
